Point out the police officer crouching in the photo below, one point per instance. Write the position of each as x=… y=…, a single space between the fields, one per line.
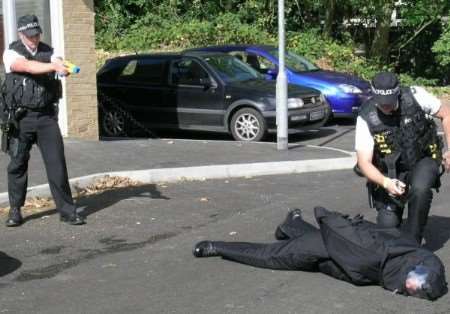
x=399 y=151
x=30 y=94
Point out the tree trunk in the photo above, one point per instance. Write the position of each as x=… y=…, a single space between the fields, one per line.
x=380 y=44
x=330 y=10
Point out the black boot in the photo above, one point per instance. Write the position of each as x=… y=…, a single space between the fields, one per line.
x=282 y=232
x=14 y=217
x=205 y=249
x=74 y=219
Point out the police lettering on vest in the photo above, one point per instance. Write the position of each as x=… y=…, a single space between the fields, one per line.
x=31 y=91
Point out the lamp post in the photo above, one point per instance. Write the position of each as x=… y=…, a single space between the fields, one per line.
x=9 y=21
x=281 y=92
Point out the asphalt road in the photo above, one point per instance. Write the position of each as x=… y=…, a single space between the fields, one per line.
x=134 y=255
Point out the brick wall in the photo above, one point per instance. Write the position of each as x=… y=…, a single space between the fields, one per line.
x=79 y=48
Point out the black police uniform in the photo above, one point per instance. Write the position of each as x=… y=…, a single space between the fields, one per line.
x=407 y=147
x=353 y=250
x=32 y=99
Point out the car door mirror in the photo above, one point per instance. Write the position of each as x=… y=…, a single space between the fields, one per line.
x=207 y=83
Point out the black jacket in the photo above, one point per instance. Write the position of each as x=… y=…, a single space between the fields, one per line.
x=363 y=254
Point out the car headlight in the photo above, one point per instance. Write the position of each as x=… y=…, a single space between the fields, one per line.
x=295 y=103
x=350 y=89
x=322 y=98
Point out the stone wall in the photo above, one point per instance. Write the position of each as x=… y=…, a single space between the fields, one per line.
x=81 y=91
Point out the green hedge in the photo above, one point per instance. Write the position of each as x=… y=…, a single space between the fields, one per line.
x=330 y=53
x=156 y=33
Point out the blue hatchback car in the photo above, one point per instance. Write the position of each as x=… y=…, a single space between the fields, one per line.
x=344 y=92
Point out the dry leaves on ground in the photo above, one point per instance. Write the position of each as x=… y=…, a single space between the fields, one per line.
x=106 y=183
x=39 y=204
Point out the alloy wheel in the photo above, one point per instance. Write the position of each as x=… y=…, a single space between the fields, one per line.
x=114 y=123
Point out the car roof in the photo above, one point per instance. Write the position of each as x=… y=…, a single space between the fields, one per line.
x=170 y=55
x=227 y=48
x=201 y=53
x=146 y=55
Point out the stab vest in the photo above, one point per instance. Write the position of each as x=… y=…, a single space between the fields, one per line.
x=405 y=136
x=31 y=91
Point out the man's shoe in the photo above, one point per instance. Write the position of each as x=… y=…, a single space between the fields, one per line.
x=14 y=217
x=280 y=233
x=204 y=249
x=74 y=219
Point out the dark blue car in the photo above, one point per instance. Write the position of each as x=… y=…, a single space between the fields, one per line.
x=344 y=92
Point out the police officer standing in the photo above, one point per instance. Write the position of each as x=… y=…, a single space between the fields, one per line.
x=399 y=151
x=30 y=94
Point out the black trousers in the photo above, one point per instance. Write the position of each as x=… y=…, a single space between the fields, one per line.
x=421 y=179
x=304 y=250
x=42 y=129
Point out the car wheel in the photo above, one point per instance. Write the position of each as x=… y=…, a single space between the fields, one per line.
x=114 y=123
x=329 y=119
x=248 y=125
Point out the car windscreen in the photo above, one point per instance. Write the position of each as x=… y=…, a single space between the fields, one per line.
x=296 y=63
x=231 y=69
x=109 y=71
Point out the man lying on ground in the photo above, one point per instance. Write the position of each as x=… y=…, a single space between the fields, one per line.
x=354 y=250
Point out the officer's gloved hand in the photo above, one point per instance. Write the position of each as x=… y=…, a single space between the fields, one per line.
x=394 y=187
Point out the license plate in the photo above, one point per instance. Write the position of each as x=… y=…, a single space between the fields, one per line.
x=299 y=117
x=316 y=115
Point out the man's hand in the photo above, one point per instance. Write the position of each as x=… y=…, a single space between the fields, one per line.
x=446 y=160
x=59 y=67
x=394 y=187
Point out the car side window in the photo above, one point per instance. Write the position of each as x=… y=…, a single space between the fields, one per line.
x=188 y=72
x=149 y=71
x=259 y=63
x=265 y=64
x=128 y=71
x=238 y=54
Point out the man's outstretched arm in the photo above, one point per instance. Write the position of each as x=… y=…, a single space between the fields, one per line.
x=444 y=115
x=24 y=65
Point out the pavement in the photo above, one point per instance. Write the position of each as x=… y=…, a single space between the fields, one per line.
x=134 y=255
x=201 y=156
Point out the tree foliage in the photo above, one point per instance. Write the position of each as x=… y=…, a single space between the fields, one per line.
x=417 y=46
x=442 y=48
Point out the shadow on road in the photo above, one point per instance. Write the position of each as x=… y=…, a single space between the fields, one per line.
x=299 y=136
x=8 y=264
x=96 y=202
x=294 y=135
x=437 y=232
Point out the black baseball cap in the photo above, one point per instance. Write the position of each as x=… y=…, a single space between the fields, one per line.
x=29 y=25
x=385 y=88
